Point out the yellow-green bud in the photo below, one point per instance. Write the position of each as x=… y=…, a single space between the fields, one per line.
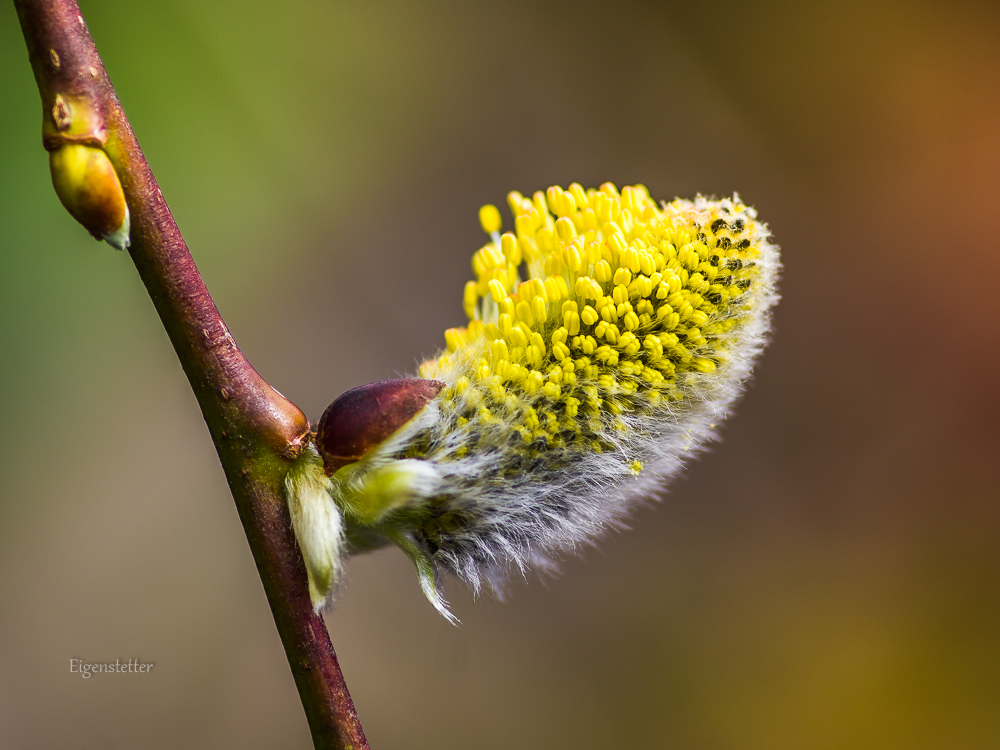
x=88 y=187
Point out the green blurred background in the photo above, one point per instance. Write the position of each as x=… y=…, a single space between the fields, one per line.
x=827 y=577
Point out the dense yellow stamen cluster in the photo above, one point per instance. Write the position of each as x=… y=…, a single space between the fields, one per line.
x=599 y=304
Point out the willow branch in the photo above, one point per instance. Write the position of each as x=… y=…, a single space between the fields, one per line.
x=256 y=430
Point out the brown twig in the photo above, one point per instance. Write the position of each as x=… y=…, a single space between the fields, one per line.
x=256 y=430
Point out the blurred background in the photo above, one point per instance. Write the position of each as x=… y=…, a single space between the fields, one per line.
x=828 y=576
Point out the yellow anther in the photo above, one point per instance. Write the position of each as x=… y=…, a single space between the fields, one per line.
x=602 y=271
x=571 y=257
x=617 y=243
x=619 y=294
x=616 y=210
x=560 y=335
x=553 y=264
x=688 y=256
x=565 y=228
x=560 y=351
x=489 y=218
x=551 y=390
x=630 y=343
x=470 y=295
x=571 y=320
x=631 y=321
x=552 y=198
x=610 y=357
x=538 y=309
x=524 y=314
x=589 y=315
x=669 y=320
x=491 y=258
x=572 y=407
x=647 y=264
x=563 y=287
x=593 y=252
x=698 y=318
x=602 y=207
x=479 y=264
x=538 y=201
x=578 y=193
x=641 y=286
x=507 y=306
x=567 y=204
x=544 y=241
x=553 y=289
x=500 y=351
x=453 y=339
x=588 y=288
x=518 y=336
x=630 y=260
x=497 y=291
x=514 y=199
x=508 y=246
x=537 y=340
x=623 y=277
x=673 y=282
x=505 y=323
x=628 y=199
x=703 y=365
x=525 y=226
x=534 y=355
x=697 y=282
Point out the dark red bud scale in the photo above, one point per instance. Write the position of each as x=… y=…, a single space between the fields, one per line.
x=364 y=417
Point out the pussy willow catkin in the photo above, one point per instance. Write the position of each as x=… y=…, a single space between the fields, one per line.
x=607 y=336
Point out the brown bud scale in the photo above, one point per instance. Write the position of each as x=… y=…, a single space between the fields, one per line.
x=364 y=417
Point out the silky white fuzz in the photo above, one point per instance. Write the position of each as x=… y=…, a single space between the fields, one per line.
x=318 y=525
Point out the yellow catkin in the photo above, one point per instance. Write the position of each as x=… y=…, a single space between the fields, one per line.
x=632 y=297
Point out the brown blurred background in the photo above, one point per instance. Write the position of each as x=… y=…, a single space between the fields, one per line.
x=827 y=577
